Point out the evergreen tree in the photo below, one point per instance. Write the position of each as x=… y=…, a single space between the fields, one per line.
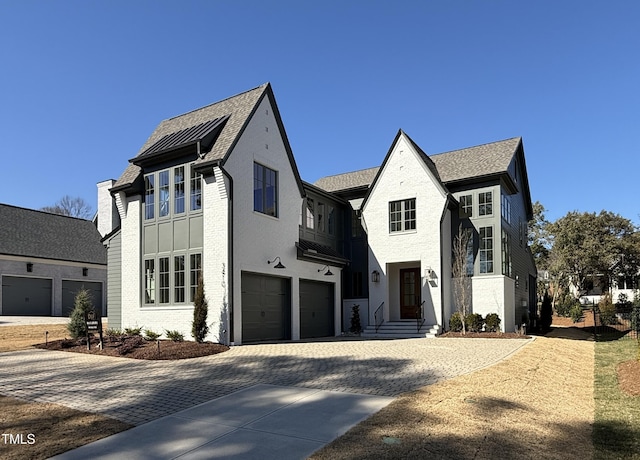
x=356 y=326
x=201 y=308
x=77 y=326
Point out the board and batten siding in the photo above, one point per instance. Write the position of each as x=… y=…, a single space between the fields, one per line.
x=114 y=281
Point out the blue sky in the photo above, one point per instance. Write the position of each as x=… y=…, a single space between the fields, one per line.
x=84 y=83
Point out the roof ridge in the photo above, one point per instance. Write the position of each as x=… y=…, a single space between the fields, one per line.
x=264 y=85
x=475 y=146
x=350 y=172
x=44 y=212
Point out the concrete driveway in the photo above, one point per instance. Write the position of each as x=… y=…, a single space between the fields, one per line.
x=137 y=392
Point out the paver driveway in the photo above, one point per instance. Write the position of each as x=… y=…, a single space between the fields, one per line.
x=140 y=391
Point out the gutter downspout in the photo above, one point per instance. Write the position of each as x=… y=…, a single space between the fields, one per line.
x=230 y=253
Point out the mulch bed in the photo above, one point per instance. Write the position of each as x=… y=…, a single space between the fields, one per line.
x=138 y=348
x=629 y=377
x=486 y=335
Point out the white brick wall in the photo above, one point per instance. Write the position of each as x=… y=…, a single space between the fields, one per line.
x=405 y=176
x=108 y=217
x=495 y=294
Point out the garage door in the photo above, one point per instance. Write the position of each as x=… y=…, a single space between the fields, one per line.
x=316 y=309
x=266 y=308
x=71 y=288
x=26 y=296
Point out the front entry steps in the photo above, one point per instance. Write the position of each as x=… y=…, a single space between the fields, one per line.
x=403 y=329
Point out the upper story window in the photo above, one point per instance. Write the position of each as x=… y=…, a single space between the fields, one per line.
x=171 y=192
x=485 y=203
x=321 y=218
x=265 y=190
x=331 y=220
x=466 y=206
x=486 y=249
x=196 y=190
x=310 y=214
x=402 y=215
x=505 y=208
x=164 y=193
x=149 y=197
x=178 y=190
x=506 y=253
x=356 y=226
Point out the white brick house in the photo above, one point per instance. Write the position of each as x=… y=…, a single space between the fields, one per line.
x=216 y=193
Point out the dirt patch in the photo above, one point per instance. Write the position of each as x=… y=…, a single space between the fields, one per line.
x=40 y=430
x=536 y=404
x=629 y=377
x=138 y=348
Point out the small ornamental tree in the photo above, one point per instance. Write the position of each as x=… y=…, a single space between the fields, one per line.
x=77 y=326
x=461 y=273
x=200 y=310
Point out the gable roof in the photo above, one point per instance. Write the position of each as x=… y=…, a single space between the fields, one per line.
x=456 y=165
x=227 y=119
x=30 y=233
x=475 y=162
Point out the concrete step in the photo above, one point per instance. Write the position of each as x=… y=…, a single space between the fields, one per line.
x=401 y=329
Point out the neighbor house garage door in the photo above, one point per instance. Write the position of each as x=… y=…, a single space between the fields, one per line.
x=71 y=288
x=316 y=309
x=26 y=296
x=266 y=308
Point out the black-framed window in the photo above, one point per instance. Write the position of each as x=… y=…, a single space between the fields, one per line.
x=485 y=204
x=196 y=190
x=505 y=208
x=466 y=206
x=195 y=269
x=265 y=190
x=178 y=279
x=310 y=217
x=149 y=197
x=402 y=215
x=506 y=253
x=163 y=280
x=149 y=281
x=178 y=190
x=486 y=249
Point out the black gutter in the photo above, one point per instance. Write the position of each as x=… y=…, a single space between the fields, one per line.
x=230 y=254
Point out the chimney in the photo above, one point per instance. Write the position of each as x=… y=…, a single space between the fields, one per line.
x=108 y=217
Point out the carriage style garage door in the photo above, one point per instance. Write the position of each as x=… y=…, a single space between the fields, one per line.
x=26 y=296
x=266 y=308
x=70 y=289
x=316 y=309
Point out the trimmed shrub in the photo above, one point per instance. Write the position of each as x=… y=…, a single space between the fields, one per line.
x=474 y=322
x=174 y=336
x=607 y=311
x=455 y=322
x=576 y=312
x=199 y=328
x=77 y=326
x=492 y=322
x=565 y=304
x=133 y=330
x=546 y=313
x=150 y=335
x=356 y=327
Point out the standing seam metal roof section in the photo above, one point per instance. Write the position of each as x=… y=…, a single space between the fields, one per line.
x=183 y=137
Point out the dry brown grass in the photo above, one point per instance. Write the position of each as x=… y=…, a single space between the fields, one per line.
x=14 y=338
x=536 y=404
x=55 y=428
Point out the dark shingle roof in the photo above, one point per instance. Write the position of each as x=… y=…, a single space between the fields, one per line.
x=468 y=163
x=237 y=108
x=479 y=161
x=29 y=233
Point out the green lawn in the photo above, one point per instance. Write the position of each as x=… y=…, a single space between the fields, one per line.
x=616 y=431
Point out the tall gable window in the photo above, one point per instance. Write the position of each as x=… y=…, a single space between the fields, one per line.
x=466 y=206
x=402 y=215
x=486 y=249
x=265 y=190
x=505 y=208
x=149 y=197
x=178 y=190
x=485 y=204
x=196 y=190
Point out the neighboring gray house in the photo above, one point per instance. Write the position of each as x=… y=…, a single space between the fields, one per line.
x=45 y=259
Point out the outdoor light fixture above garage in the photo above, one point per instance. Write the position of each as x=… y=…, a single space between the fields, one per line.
x=375 y=276
x=278 y=265
x=328 y=272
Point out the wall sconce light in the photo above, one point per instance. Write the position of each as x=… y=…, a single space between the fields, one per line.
x=85 y=271
x=278 y=265
x=29 y=267
x=517 y=281
x=375 y=276
x=328 y=273
x=429 y=273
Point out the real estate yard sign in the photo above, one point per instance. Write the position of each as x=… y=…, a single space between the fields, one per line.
x=93 y=321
